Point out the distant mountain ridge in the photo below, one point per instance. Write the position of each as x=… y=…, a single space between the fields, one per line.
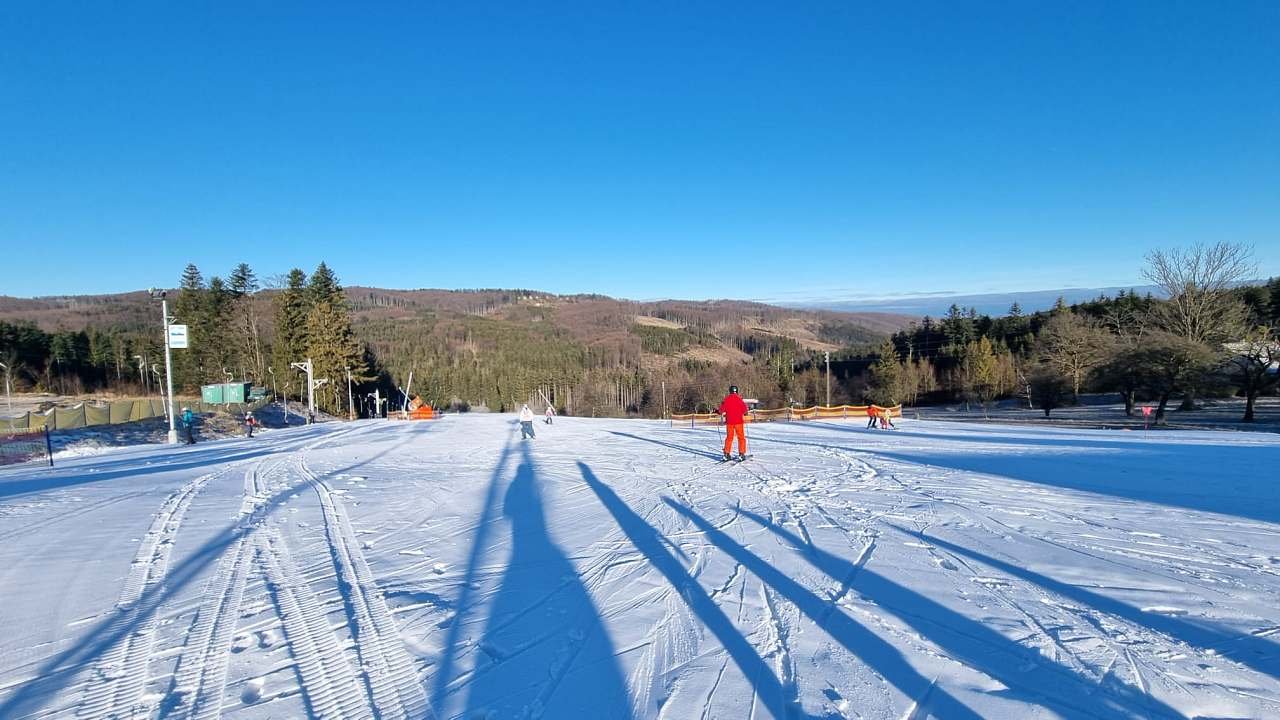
x=581 y=315
x=994 y=304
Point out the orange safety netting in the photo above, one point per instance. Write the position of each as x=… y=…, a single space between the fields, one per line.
x=791 y=414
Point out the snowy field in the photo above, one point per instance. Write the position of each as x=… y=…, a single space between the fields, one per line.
x=613 y=569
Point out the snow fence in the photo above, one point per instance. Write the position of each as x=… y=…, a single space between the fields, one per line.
x=116 y=412
x=817 y=412
x=25 y=446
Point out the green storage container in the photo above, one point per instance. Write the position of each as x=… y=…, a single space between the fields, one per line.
x=235 y=392
x=211 y=394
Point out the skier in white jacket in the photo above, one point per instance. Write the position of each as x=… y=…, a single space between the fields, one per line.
x=526 y=423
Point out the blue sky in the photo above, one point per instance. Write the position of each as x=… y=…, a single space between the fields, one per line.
x=642 y=150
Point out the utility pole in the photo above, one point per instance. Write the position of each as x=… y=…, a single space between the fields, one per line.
x=168 y=359
x=351 y=404
x=827 y=354
x=311 y=388
x=664 y=398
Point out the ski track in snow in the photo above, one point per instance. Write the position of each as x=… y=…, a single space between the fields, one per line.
x=1033 y=600
x=119 y=679
x=391 y=676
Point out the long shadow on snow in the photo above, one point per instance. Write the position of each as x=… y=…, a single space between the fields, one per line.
x=1256 y=652
x=457 y=623
x=545 y=645
x=1233 y=487
x=48 y=481
x=1030 y=676
x=998 y=435
x=208 y=454
x=653 y=545
x=676 y=446
x=56 y=673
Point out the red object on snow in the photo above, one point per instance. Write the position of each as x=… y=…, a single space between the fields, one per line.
x=733 y=409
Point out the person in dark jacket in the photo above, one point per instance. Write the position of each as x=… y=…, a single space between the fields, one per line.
x=734 y=411
x=189 y=419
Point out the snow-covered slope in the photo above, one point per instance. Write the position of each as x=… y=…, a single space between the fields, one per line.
x=614 y=569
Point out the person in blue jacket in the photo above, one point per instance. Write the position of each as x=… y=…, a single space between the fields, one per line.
x=189 y=419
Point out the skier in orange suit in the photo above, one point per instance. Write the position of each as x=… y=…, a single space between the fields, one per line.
x=734 y=411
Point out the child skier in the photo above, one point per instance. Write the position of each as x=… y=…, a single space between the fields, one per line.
x=249 y=423
x=872 y=416
x=551 y=412
x=733 y=409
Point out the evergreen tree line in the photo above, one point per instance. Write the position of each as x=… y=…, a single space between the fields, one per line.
x=72 y=362
x=229 y=340
x=1209 y=334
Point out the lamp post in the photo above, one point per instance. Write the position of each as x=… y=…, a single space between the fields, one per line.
x=168 y=360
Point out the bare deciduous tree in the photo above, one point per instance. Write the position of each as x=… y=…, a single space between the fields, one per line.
x=1199 y=305
x=1197 y=283
x=1074 y=347
x=1252 y=364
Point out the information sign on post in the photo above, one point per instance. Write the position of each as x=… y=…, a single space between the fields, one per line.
x=178 y=336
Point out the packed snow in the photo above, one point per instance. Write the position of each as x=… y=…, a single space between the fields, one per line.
x=616 y=569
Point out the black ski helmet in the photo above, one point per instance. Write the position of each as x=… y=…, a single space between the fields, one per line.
x=733 y=389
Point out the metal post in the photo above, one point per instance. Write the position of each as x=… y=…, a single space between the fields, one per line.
x=306 y=367
x=351 y=405
x=664 y=398
x=155 y=369
x=168 y=369
x=828 y=358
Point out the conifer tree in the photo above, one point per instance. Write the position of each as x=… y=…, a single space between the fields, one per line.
x=214 y=333
x=291 y=308
x=886 y=376
x=333 y=349
x=323 y=287
x=981 y=370
x=243 y=284
x=187 y=310
x=330 y=342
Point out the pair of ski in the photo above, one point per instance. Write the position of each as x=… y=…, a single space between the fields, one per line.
x=734 y=458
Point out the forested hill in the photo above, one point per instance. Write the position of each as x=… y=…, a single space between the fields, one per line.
x=590 y=354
